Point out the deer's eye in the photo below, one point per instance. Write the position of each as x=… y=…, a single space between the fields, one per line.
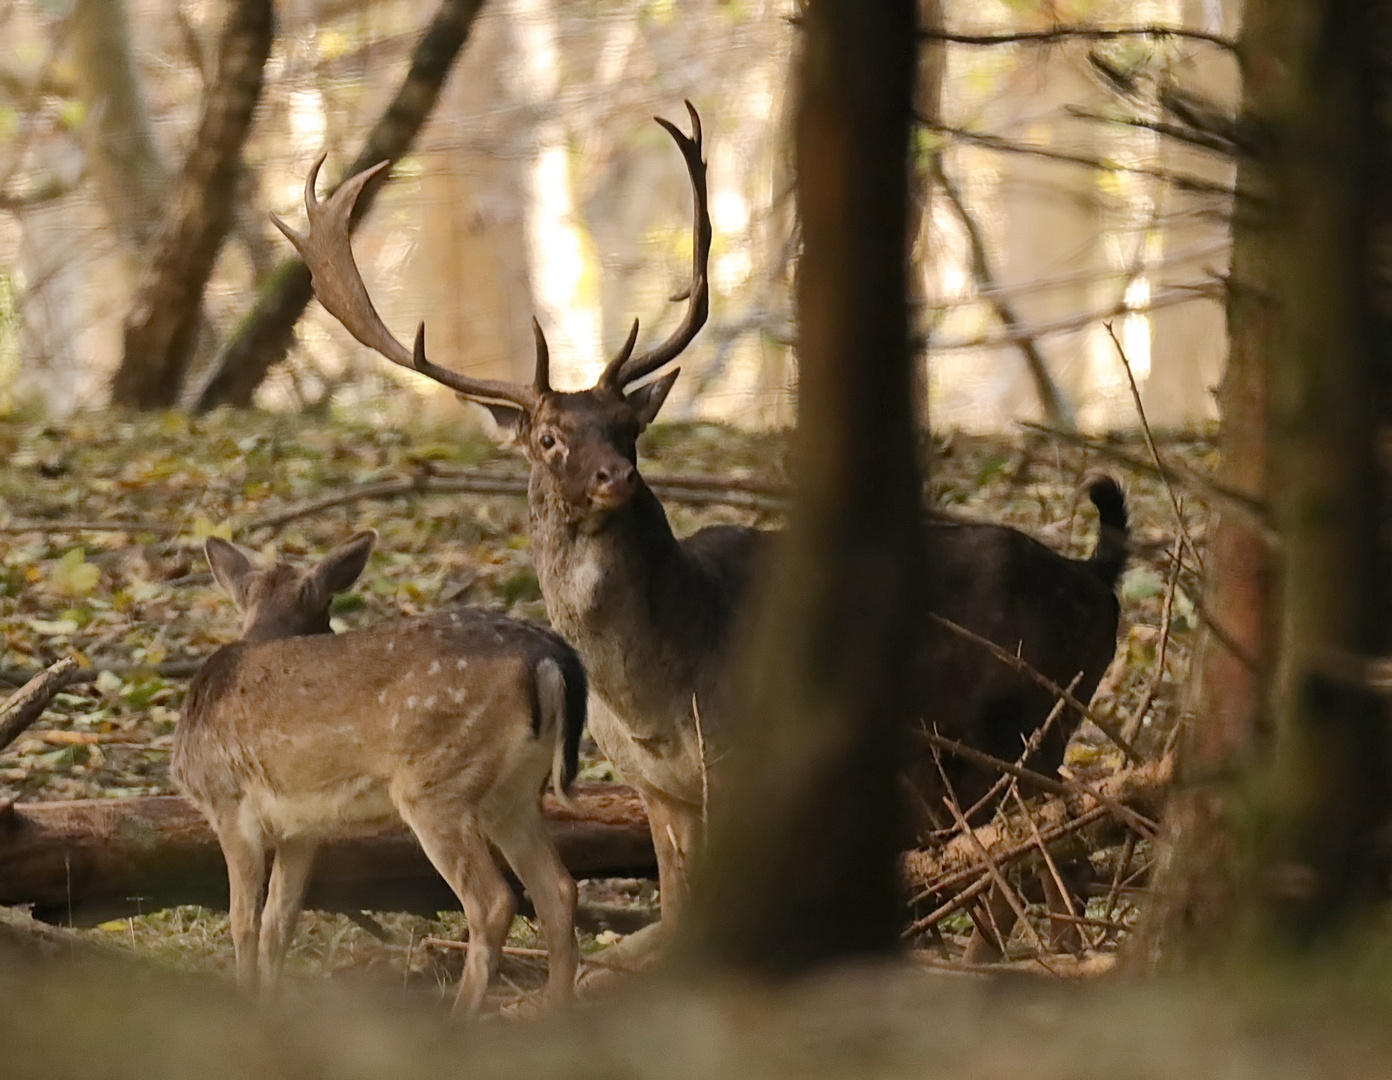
x=547 y=440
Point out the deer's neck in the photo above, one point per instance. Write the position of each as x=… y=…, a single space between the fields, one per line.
x=630 y=601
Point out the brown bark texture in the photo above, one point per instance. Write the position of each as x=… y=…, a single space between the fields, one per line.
x=121 y=154
x=1072 y=828
x=805 y=824
x=161 y=328
x=27 y=703
x=1274 y=836
x=96 y=859
x=268 y=330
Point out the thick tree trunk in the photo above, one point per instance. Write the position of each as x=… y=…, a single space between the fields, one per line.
x=100 y=858
x=1279 y=855
x=161 y=329
x=824 y=694
x=267 y=332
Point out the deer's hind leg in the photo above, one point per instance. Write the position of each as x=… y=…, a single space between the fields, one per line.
x=294 y=859
x=246 y=874
x=532 y=854
x=456 y=848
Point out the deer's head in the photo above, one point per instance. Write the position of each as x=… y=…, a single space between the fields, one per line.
x=582 y=442
x=283 y=601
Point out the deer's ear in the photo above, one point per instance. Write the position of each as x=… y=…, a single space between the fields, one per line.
x=647 y=400
x=339 y=569
x=230 y=567
x=508 y=418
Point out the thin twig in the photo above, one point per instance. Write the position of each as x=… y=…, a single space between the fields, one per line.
x=1057 y=408
x=989 y=761
x=1169 y=297
x=951 y=906
x=170 y=669
x=1031 y=745
x=1079 y=33
x=508 y=950
x=1039 y=679
x=705 y=776
x=1068 y=785
x=1048 y=859
x=1128 y=849
x=57 y=525
x=1190 y=136
x=1132 y=727
x=988 y=141
x=1005 y=857
x=700 y=490
x=1252 y=509
x=1154 y=451
x=950 y=801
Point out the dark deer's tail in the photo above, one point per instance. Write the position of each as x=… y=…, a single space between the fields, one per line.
x=563 y=696
x=1109 y=556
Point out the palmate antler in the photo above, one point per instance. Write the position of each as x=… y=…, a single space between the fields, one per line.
x=327 y=251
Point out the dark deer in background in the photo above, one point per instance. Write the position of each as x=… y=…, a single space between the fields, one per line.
x=652 y=616
x=450 y=722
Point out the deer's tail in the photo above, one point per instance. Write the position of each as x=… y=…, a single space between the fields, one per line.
x=562 y=695
x=1109 y=556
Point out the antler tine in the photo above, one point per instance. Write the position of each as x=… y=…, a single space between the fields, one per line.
x=485 y=389
x=610 y=377
x=328 y=252
x=698 y=295
x=541 y=381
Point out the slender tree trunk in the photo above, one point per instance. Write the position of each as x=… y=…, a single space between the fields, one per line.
x=161 y=329
x=121 y=154
x=267 y=332
x=825 y=691
x=1273 y=835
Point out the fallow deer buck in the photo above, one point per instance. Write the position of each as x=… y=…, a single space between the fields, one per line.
x=652 y=616
x=451 y=722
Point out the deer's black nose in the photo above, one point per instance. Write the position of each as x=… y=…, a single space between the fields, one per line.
x=614 y=483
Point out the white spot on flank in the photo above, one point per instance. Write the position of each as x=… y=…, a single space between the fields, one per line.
x=411 y=702
x=382 y=698
x=390 y=646
x=428 y=703
x=456 y=696
x=434 y=667
x=461 y=663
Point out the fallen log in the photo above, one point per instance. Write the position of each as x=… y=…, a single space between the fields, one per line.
x=1071 y=828
x=91 y=860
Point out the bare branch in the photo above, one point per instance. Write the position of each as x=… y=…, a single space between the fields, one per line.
x=1057 y=408
x=1038 y=678
x=28 y=702
x=1181 y=181
x=1079 y=33
x=1154 y=451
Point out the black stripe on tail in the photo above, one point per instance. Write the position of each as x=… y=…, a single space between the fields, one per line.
x=1109 y=556
x=577 y=697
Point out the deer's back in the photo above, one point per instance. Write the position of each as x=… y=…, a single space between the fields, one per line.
x=333 y=728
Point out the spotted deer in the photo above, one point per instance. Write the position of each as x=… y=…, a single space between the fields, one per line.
x=450 y=722
x=653 y=616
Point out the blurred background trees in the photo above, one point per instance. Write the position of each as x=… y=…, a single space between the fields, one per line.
x=535 y=185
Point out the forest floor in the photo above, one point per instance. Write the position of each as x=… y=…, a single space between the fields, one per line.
x=102 y=519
